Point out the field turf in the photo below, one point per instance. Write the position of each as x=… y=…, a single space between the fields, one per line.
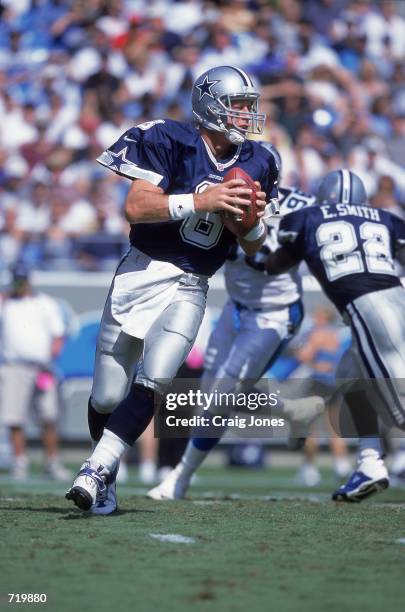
x=257 y=542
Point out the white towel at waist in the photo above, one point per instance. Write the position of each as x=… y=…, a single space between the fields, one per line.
x=142 y=289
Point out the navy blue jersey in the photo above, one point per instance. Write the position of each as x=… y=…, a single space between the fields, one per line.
x=349 y=249
x=173 y=156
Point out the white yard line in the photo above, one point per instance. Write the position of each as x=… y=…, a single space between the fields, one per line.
x=208 y=502
x=392 y=505
x=173 y=538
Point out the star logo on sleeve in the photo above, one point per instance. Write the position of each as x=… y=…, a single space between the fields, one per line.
x=205 y=87
x=119 y=159
x=120 y=163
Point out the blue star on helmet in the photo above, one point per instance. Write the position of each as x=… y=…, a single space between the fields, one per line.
x=205 y=87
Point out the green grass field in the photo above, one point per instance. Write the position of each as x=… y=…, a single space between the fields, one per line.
x=258 y=542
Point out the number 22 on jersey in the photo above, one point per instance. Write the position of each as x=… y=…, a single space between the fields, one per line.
x=345 y=252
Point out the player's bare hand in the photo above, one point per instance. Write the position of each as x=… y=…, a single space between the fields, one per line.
x=232 y=196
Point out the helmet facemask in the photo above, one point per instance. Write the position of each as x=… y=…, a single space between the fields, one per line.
x=227 y=118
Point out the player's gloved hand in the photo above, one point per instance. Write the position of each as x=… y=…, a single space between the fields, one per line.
x=231 y=196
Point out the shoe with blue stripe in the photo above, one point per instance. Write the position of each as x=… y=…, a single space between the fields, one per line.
x=106 y=501
x=89 y=486
x=371 y=477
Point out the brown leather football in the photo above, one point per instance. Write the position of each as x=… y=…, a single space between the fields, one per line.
x=240 y=226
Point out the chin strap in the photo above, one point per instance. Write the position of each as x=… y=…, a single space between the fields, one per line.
x=232 y=134
x=235 y=137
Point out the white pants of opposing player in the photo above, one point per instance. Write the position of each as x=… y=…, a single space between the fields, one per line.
x=377 y=321
x=245 y=343
x=241 y=348
x=168 y=340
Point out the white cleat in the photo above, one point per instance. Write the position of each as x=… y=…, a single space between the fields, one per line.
x=94 y=489
x=370 y=477
x=87 y=487
x=174 y=486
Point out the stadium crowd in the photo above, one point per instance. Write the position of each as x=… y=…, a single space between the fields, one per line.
x=74 y=74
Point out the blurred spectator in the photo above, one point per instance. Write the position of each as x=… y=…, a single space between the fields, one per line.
x=396 y=143
x=370 y=161
x=312 y=49
x=372 y=85
x=386 y=198
x=103 y=84
x=384 y=30
x=319 y=350
x=17 y=127
x=114 y=124
x=220 y=50
x=33 y=214
x=32 y=331
x=293 y=107
x=322 y=13
x=184 y=16
x=381 y=117
x=74 y=75
x=9 y=238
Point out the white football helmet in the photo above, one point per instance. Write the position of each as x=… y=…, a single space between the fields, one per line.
x=211 y=101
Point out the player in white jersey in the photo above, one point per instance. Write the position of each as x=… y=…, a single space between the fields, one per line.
x=262 y=313
x=260 y=317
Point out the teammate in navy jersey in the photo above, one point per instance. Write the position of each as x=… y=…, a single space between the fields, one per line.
x=260 y=317
x=157 y=299
x=350 y=248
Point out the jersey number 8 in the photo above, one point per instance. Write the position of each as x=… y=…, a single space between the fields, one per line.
x=202 y=229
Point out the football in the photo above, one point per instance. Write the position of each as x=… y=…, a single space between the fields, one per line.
x=241 y=225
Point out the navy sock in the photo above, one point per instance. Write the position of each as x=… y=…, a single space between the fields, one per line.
x=97 y=421
x=364 y=417
x=205 y=444
x=132 y=416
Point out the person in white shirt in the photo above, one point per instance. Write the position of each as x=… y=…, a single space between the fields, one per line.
x=31 y=336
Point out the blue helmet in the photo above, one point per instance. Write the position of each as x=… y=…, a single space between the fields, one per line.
x=341 y=186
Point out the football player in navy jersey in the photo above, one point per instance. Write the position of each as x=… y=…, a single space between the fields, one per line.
x=157 y=297
x=260 y=317
x=350 y=248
